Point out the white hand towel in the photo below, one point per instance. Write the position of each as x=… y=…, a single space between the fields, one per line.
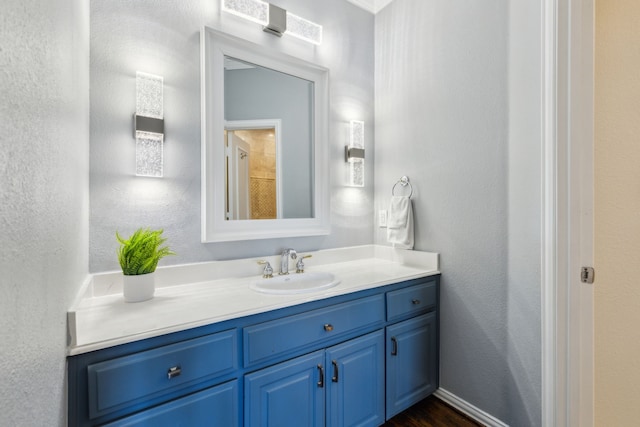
x=400 y=223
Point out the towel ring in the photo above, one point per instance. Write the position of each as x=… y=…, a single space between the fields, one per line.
x=404 y=181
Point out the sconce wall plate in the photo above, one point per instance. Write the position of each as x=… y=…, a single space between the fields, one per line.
x=352 y=153
x=147 y=124
x=277 y=24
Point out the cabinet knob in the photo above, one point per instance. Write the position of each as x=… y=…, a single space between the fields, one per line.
x=174 y=372
x=328 y=327
x=415 y=301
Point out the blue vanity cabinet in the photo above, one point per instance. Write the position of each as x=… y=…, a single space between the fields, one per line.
x=339 y=387
x=347 y=360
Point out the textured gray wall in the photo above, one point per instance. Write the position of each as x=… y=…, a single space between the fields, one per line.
x=457 y=106
x=44 y=200
x=260 y=93
x=524 y=336
x=164 y=38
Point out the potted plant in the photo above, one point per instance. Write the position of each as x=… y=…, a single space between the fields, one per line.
x=138 y=256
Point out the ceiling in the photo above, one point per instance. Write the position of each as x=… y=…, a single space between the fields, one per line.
x=373 y=6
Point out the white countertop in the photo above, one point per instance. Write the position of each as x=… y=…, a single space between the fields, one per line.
x=189 y=296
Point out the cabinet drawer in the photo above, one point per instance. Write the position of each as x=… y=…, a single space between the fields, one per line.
x=411 y=300
x=270 y=339
x=214 y=407
x=116 y=383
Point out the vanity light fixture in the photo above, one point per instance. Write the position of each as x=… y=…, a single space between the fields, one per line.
x=274 y=19
x=148 y=125
x=354 y=153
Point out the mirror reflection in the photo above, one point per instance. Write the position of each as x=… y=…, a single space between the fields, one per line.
x=268 y=140
x=251 y=170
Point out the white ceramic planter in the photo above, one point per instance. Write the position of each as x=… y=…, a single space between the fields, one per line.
x=138 y=288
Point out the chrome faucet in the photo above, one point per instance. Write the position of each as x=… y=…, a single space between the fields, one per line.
x=284 y=261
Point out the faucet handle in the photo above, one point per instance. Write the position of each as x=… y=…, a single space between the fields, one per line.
x=300 y=264
x=267 y=273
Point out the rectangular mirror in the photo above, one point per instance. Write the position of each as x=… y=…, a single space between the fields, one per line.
x=264 y=142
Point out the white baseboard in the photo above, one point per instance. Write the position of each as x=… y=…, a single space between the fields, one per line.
x=468 y=409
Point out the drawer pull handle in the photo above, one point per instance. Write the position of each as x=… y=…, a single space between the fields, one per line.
x=335 y=371
x=321 y=375
x=415 y=301
x=328 y=327
x=394 y=350
x=174 y=372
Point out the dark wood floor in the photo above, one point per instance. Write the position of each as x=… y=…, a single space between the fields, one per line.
x=431 y=412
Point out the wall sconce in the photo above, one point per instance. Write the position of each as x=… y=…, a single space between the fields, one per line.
x=274 y=19
x=354 y=153
x=148 y=125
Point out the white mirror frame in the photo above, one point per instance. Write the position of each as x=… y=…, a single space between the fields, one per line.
x=215 y=228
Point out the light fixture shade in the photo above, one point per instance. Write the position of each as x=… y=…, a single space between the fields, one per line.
x=304 y=29
x=149 y=125
x=258 y=11
x=149 y=154
x=253 y=10
x=356 y=164
x=149 y=95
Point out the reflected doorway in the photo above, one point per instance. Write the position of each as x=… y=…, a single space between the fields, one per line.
x=252 y=170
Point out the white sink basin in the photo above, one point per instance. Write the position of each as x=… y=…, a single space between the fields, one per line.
x=295 y=283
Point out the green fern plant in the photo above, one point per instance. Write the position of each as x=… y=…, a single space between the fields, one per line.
x=140 y=253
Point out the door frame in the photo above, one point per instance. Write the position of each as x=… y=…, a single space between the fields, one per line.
x=567 y=217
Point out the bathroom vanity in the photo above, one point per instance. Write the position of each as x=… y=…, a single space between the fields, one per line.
x=217 y=353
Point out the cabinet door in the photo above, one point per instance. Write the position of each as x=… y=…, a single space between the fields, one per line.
x=288 y=394
x=214 y=407
x=412 y=362
x=355 y=382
